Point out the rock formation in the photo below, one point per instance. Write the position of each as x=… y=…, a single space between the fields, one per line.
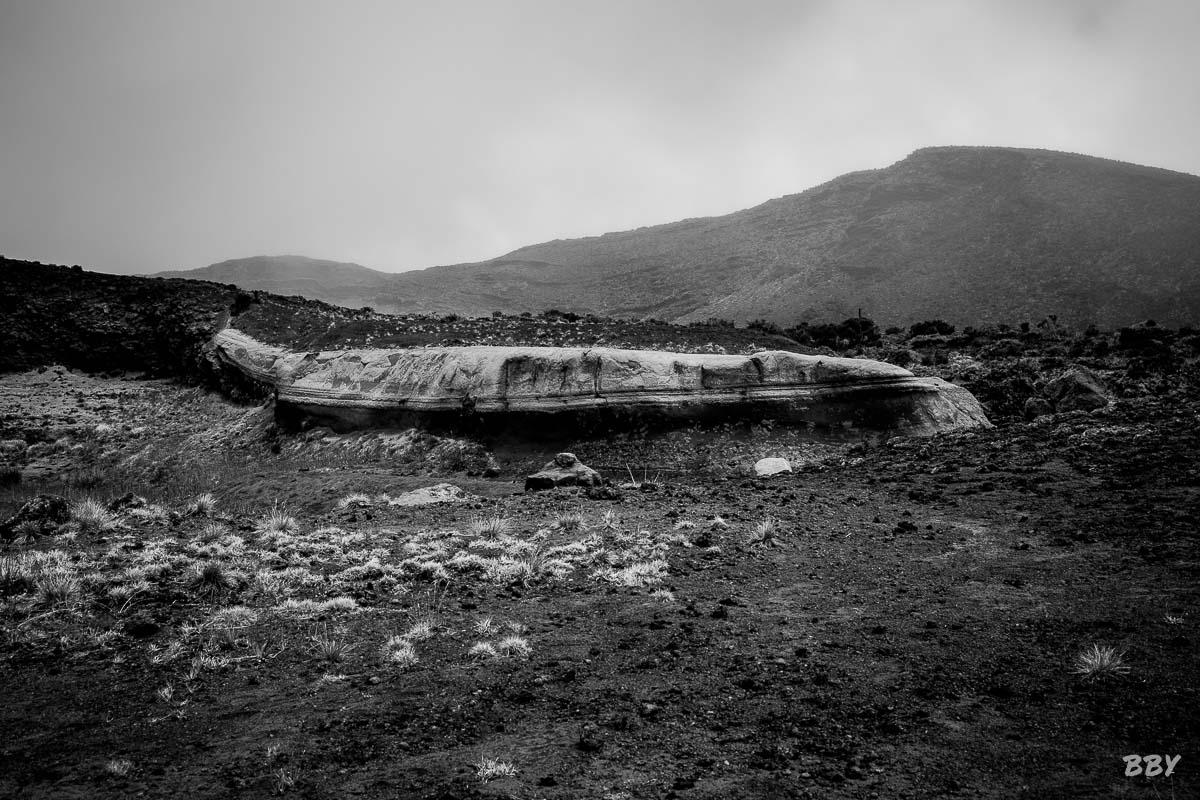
x=548 y=390
x=564 y=470
x=771 y=466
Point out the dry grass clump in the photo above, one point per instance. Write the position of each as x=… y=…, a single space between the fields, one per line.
x=91 y=516
x=765 y=533
x=1100 y=661
x=420 y=630
x=639 y=573
x=307 y=606
x=569 y=522
x=26 y=532
x=58 y=588
x=354 y=500
x=490 y=768
x=233 y=617
x=329 y=646
x=400 y=651
x=203 y=505
x=278 y=523
x=490 y=527
x=212 y=579
x=483 y=650
x=516 y=646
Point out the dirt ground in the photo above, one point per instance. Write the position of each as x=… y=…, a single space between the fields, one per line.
x=895 y=620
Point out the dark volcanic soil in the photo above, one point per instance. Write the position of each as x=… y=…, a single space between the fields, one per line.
x=907 y=618
x=910 y=630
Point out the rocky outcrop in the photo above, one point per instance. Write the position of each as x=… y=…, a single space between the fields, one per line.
x=38 y=515
x=541 y=390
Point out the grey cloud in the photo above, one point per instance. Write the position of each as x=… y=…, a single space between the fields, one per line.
x=140 y=136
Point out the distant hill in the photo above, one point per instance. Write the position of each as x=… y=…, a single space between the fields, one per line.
x=339 y=282
x=971 y=235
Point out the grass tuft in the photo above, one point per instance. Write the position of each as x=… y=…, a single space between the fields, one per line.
x=354 y=500
x=491 y=527
x=765 y=533
x=210 y=579
x=278 y=523
x=93 y=517
x=399 y=651
x=570 y=522
x=329 y=647
x=1100 y=661
x=517 y=646
x=203 y=505
x=491 y=768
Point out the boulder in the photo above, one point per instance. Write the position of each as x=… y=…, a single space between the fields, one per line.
x=1078 y=389
x=428 y=495
x=771 y=466
x=1037 y=407
x=13 y=448
x=44 y=510
x=564 y=470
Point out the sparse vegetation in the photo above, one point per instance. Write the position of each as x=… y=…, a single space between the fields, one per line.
x=1100 y=661
x=766 y=533
x=330 y=646
x=490 y=527
x=491 y=768
x=92 y=517
x=853 y=657
x=400 y=652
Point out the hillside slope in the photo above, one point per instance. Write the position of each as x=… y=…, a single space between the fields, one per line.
x=339 y=282
x=968 y=234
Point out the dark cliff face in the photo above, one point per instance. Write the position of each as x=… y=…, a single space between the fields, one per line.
x=969 y=234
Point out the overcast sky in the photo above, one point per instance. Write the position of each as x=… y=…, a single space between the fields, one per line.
x=157 y=134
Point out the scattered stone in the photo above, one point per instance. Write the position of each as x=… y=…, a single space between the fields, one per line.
x=44 y=510
x=564 y=470
x=126 y=502
x=591 y=739
x=1037 y=407
x=428 y=495
x=771 y=466
x=1078 y=389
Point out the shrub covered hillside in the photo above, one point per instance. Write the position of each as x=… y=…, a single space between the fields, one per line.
x=96 y=322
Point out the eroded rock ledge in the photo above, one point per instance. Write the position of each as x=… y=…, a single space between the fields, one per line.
x=542 y=390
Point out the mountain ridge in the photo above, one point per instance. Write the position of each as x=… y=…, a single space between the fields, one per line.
x=969 y=234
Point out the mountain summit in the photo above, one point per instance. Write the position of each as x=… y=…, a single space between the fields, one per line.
x=339 y=282
x=967 y=234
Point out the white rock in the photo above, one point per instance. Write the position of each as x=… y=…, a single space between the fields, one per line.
x=771 y=466
x=827 y=391
x=438 y=493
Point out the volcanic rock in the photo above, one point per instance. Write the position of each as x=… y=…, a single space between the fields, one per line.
x=539 y=391
x=428 y=495
x=44 y=510
x=1037 y=407
x=771 y=466
x=564 y=470
x=1078 y=389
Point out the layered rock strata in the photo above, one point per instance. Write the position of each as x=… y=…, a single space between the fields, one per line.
x=545 y=390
